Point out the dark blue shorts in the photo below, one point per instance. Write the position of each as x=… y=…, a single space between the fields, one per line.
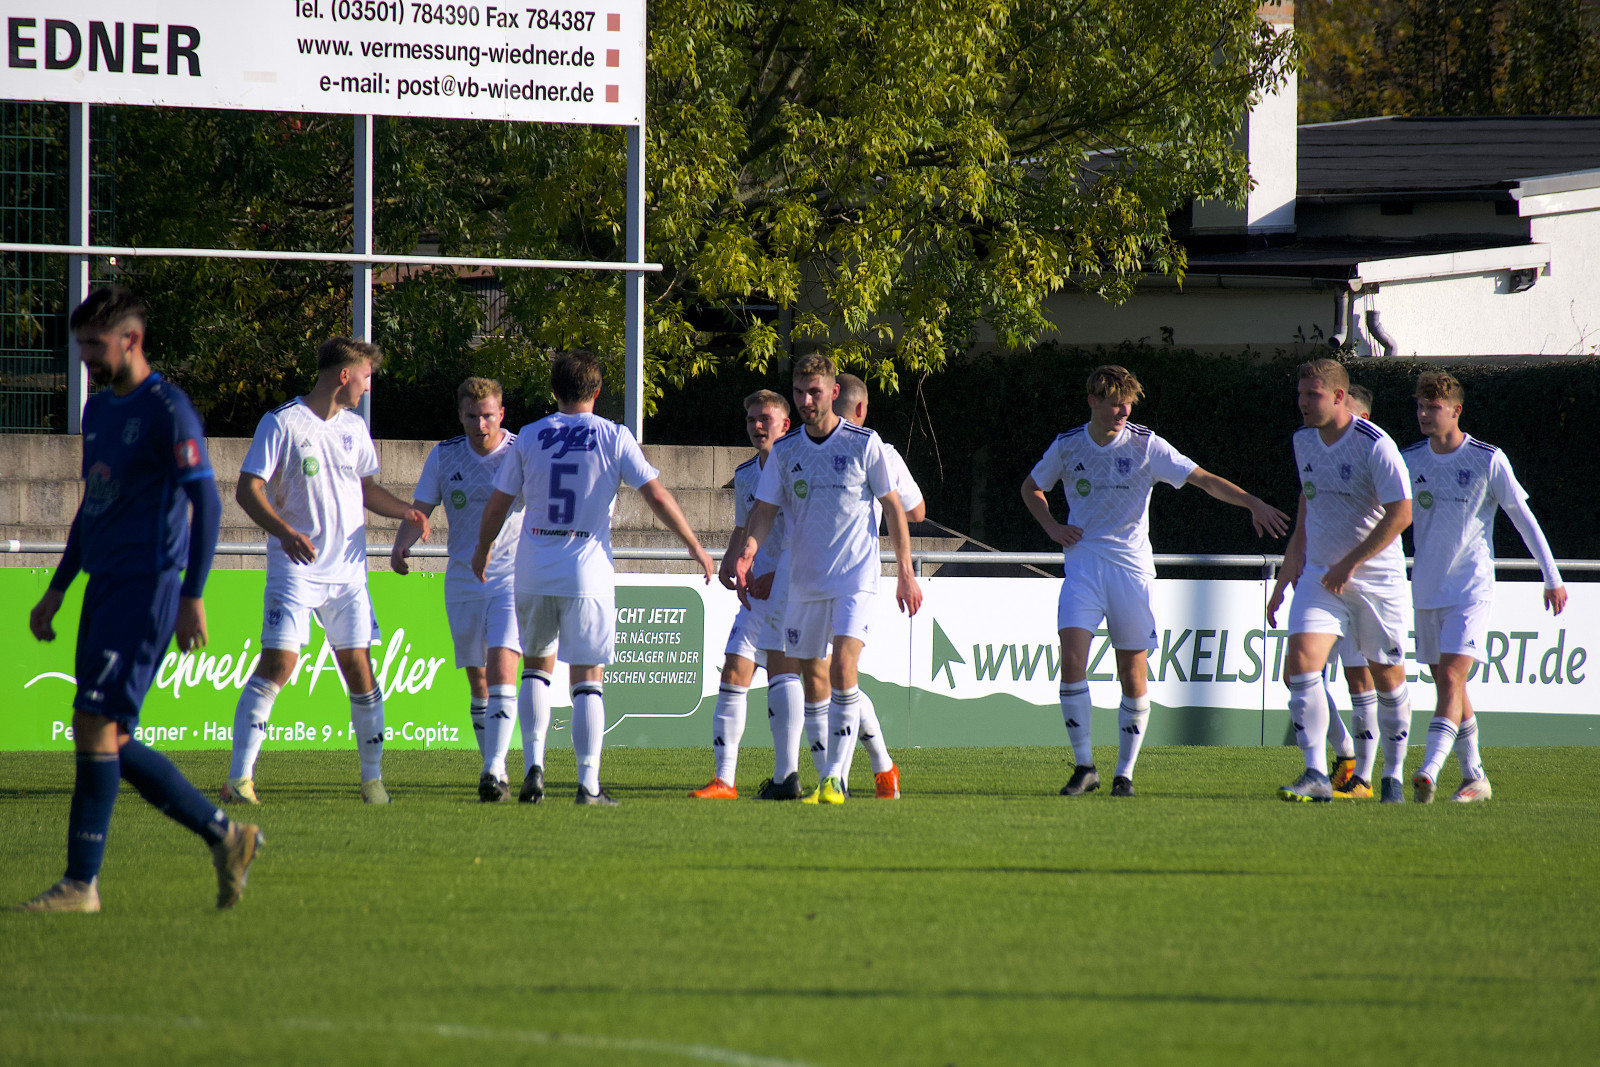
x=126 y=626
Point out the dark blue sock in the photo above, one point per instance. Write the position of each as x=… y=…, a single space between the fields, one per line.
x=93 y=796
x=164 y=786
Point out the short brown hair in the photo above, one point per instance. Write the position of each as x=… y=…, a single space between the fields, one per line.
x=1359 y=396
x=852 y=391
x=816 y=365
x=1440 y=385
x=1114 y=383
x=337 y=353
x=478 y=389
x=1330 y=372
x=575 y=376
x=768 y=399
x=107 y=308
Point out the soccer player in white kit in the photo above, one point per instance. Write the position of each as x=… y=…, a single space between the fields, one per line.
x=1354 y=755
x=567 y=469
x=756 y=636
x=1107 y=467
x=1354 y=502
x=483 y=615
x=315 y=458
x=1458 y=483
x=851 y=406
x=825 y=476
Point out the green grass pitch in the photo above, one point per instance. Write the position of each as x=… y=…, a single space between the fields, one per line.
x=980 y=920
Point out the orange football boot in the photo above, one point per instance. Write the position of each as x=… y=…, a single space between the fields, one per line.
x=717 y=789
x=888 y=783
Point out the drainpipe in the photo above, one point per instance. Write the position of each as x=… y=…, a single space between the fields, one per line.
x=1379 y=334
x=1344 y=318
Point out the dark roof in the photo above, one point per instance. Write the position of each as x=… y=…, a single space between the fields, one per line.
x=1332 y=260
x=1445 y=155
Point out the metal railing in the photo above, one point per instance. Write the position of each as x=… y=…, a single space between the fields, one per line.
x=1267 y=564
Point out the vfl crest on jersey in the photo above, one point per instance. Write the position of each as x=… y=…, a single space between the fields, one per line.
x=1345 y=471
x=793 y=635
x=130 y=431
x=569 y=439
x=1124 y=464
x=349 y=442
x=1464 y=478
x=840 y=463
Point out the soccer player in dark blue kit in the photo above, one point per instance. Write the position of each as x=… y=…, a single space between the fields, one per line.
x=144 y=467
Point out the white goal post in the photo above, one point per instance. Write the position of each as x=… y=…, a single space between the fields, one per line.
x=547 y=61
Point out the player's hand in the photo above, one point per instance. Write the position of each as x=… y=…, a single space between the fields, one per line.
x=397 y=560
x=1555 y=599
x=725 y=572
x=480 y=563
x=420 y=521
x=741 y=577
x=1064 y=535
x=1267 y=519
x=191 y=623
x=1338 y=574
x=761 y=587
x=43 y=613
x=1274 y=604
x=907 y=593
x=709 y=565
x=298 y=547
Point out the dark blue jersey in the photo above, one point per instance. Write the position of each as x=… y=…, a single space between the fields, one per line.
x=138 y=450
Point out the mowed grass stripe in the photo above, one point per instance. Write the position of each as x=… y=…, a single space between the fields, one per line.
x=981 y=919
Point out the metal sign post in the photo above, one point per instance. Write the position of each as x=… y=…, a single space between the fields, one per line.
x=361 y=273
x=633 y=283
x=78 y=265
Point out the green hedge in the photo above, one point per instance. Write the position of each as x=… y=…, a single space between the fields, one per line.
x=972 y=433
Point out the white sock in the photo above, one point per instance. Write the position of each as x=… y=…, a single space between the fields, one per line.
x=250 y=725
x=533 y=713
x=817 y=735
x=1394 y=719
x=1308 y=711
x=588 y=731
x=1467 y=750
x=727 y=728
x=1339 y=739
x=1364 y=725
x=1078 y=713
x=480 y=708
x=366 y=715
x=844 y=719
x=786 y=715
x=1133 y=717
x=871 y=734
x=1441 y=738
x=497 y=728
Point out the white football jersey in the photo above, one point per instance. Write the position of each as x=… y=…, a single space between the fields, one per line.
x=774 y=551
x=567 y=469
x=910 y=492
x=827 y=488
x=1108 y=489
x=457 y=477
x=1452 y=522
x=1345 y=485
x=313 y=469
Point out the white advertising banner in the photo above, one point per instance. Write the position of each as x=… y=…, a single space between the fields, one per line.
x=580 y=62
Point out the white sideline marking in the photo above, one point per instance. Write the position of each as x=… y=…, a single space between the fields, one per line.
x=704 y=1053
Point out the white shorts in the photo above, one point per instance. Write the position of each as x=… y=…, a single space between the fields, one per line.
x=1349 y=655
x=344 y=611
x=1374 y=619
x=1094 y=589
x=758 y=628
x=809 y=626
x=1462 y=630
x=582 y=628
x=480 y=623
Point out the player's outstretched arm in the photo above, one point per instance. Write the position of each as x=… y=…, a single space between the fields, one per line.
x=762 y=517
x=665 y=507
x=494 y=517
x=407 y=536
x=1294 y=564
x=1263 y=516
x=1514 y=503
x=251 y=495
x=382 y=502
x=1396 y=517
x=1039 y=507
x=44 y=612
x=907 y=593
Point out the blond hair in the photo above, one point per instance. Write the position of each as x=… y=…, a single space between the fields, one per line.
x=478 y=389
x=337 y=353
x=1330 y=372
x=1115 y=383
x=768 y=399
x=1440 y=385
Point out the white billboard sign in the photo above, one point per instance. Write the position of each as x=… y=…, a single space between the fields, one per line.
x=580 y=61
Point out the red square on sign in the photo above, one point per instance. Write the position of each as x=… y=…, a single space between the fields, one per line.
x=611 y=94
x=614 y=23
x=613 y=57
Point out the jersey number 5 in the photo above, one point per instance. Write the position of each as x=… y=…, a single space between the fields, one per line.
x=563 y=502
